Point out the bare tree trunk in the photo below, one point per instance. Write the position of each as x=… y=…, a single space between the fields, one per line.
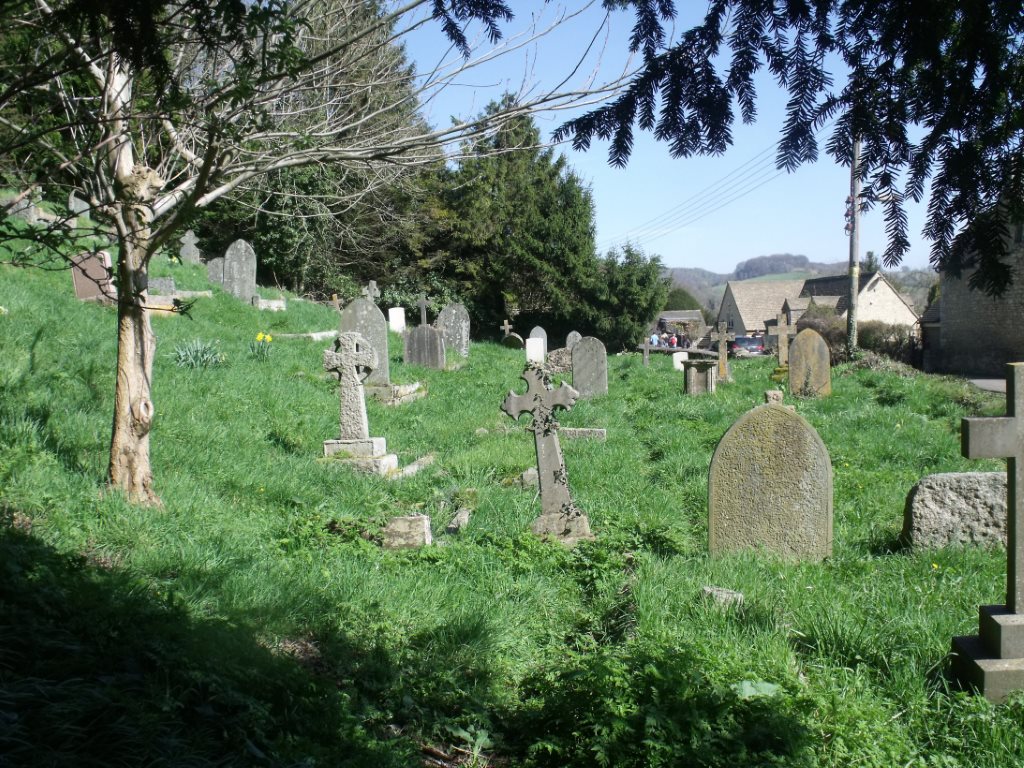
x=130 y=469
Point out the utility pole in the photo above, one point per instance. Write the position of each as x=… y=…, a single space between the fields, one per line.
x=853 y=230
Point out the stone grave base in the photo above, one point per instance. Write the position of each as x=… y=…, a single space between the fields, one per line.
x=567 y=529
x=701 y=377
x=992 y=662
x=396 y=394
x=369 y=455
x=161 y=305
x=584 y=433
x=270 y=305
x=406 y=532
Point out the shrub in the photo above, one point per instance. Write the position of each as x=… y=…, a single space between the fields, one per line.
x=895 y=341
x=832 y=328
x=198 y=354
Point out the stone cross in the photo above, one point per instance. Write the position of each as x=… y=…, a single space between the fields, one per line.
x=723 y=337
x=558 y=513
x=422 y=303
x=352 y=360
x=371 y=291
x=506 y=327
x=781 y=332
x=189 y=253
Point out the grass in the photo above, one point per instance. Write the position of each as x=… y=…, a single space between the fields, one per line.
x=253 y=620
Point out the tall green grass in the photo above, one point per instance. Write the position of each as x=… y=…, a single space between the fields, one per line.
x=253 y=620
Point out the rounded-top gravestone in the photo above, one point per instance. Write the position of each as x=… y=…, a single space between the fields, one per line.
x=240 y=271
x=770 y=487
x=572 y=338
x=513 y=341
x=810 y=367
x=590 y=367
x=453 y=323
x=364 y=317
x=540 y=333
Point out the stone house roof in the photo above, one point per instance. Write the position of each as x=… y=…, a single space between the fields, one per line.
x=760 y=300
x=933 y=313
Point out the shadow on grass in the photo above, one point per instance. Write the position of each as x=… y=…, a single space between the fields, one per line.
x=97 y=670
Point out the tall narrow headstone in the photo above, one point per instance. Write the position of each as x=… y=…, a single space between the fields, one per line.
x=993 y=660
x=560 y=517
x=781 y=333
x=396 y=319
x=723 y=337
x=362 y=316
x=91 y=276
x=590 y=367
x=189 y=252
x=810 y=368
x=453 y=323
x=540 y=333
x=240 y=271
x=535 y=350
x=424 y=346
x=215 y=270
x=572 y=338
x=770 y=487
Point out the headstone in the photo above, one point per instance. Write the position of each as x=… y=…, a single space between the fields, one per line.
x=993 y=660
x=270 y=305
x=540 y=333
x=506 y=327
x=723 y=337
x=91 y=277
x=590 y=367
x=453 y=323
x=810 y=368
x=362 y=316
x=701 y=376
x=770 y=487
x=396 y=319
x=722 y=596
x=215 y=270
x=572 y=338
x=964 y=508
x=678 y=360
x=240 y=271
x=559 y=515
x=558 y=361
x=423 y=304
x=77 y=205
x=425 y=346
x=535 y=350
x=371 y=291
x=352 y=359
x=161 y=286
x=189 y=253
x=407 y=532
x=513 y=341
x=781 y=333
x=773 y=396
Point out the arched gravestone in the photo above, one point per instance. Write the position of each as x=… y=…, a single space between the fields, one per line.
x=240 y=271
x=572 y=339
x=810 y=367
x=770 y=487
x=453 y=323
x=424 y=346
x=590 y=367
x=362 y=316
x=540 y=333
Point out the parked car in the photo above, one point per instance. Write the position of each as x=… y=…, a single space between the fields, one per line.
x=746 y=346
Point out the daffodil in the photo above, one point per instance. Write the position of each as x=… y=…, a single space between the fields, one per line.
x=259 y=336
x=268 y=338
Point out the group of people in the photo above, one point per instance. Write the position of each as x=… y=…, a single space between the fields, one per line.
x=672 y=340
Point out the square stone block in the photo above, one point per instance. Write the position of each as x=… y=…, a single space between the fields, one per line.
x=366 y=448
x=1002 y=631
x=974 y=667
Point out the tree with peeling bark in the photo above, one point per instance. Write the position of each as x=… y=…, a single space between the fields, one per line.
x=206 y=99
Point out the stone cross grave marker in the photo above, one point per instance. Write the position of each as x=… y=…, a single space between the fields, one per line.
x=424 y=346
x=810 y=367
x=362 y=316
x=396 y=319
x=240 y=271
x=781 y=332
x=91 y=276
x=506 y=327
x=770 y=487
x=559 y=515
x=723 y=337
x=590 y=367
x=453 y=323
x=572 y=339
x=422 y=304
x=352 y=359
x=189 y=252
x=540 y=333
x=993 y=660
x=371 y=291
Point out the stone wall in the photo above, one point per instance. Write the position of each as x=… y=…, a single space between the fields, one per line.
x=881 y=302
x=730 y=313
x=980 y=334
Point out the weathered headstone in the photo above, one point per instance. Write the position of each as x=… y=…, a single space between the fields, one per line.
x=993 y=660
x=781 y=333
x=424 y=346
x=723 y=337
x=362 y=316
x=189 y=253
x=572 y=338
x=91 y=277
x=215 y=270
x=351 y=359
x=513 y=341
x=770 y=487
x=77 y=205
x=534 y=350
x=965 y=508
x=701 y=376
x=678 y=360
x=810 y=368
x=240 y=271
x=540 y=333
x=559 y=515
x=396 y=319
x=773 y=396
x=590 y=367
x=161 y=286
x=453 y=323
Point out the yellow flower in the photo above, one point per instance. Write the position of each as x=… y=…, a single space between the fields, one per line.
x=935 y=566
x=259 y=336
x=268 y=338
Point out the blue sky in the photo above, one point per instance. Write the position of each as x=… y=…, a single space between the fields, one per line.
x=708 y=212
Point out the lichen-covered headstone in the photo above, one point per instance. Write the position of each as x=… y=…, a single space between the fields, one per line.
x=453 y=323
x=540 y=333
x=189 y=252
x=964 y=508
x=590 y=367
x=364 y=317
x=240 y=271
x=572 y=338
x=424 y=346
x=770 y=487
x=810 y=367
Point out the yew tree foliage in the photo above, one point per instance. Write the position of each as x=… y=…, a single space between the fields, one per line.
x=953 y=68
